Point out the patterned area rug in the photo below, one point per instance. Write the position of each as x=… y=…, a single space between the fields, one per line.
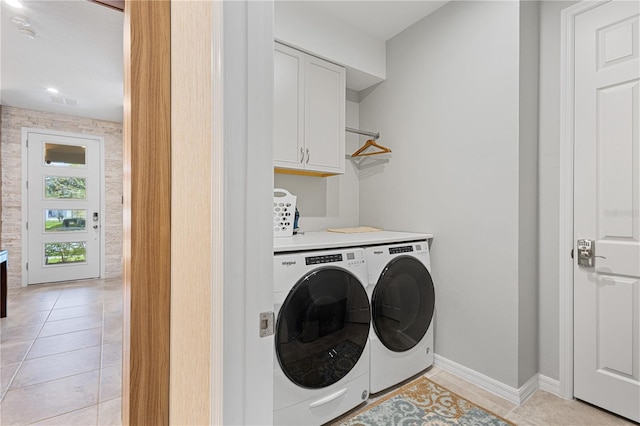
x=420 y=403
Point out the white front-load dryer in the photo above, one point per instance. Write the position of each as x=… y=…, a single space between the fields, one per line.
x=402 y=300
x=323 y=320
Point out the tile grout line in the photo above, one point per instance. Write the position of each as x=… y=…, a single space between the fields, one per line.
x=27 y=352
x=53 y=380
x=100 y=362
x=63 y=352
x=101 y=366
x=63 y=414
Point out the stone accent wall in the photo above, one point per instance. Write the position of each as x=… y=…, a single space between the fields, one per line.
x=12 y=121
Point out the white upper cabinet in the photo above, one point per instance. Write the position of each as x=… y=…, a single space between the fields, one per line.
x=309 y=113
x=289 y=106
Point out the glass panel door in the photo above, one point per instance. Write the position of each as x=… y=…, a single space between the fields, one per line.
x=64 y=217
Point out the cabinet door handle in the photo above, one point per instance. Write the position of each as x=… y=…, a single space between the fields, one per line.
x=307 y=155
x=301 y=155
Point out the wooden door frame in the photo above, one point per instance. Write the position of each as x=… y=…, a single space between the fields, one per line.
x=173 y=316
x=146 y=212
x=565 y=278
x=197 y=205
x=232 y=192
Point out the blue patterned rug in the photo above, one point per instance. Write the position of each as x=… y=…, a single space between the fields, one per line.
x=420 y=403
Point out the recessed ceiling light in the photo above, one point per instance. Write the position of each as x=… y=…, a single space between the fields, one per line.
x=21 y=21
x=52 y=90
x=27 y=32
x=14 y=3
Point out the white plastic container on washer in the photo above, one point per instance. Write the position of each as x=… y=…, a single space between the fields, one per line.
x=284 y=209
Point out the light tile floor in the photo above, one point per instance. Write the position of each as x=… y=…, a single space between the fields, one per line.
x=542 y=409
x=61 y=364
x=61 y=354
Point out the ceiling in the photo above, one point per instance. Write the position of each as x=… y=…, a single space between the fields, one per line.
x=379 y=19
x=78 y=50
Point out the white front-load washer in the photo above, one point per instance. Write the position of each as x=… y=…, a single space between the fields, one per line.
x=402 y=300
x=323 y=319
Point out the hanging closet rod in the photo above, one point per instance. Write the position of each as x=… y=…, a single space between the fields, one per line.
x=362 y=132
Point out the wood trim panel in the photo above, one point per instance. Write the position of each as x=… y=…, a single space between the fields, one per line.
x=218 y=171
x=301 y=172
x=191 y=213
x=147 y=215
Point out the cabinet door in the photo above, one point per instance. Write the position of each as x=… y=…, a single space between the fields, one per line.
x=325 y=112
x=288 y=124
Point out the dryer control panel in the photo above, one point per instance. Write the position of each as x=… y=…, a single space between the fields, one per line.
x=403 y=249
x=377 y=257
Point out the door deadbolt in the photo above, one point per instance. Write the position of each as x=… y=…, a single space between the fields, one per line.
x=587 y=253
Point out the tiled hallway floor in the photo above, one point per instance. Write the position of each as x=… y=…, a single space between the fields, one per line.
x=61 y=364
x=61 y=354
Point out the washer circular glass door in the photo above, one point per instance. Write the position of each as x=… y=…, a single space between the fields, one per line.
x=402 y=303
x=322 y=327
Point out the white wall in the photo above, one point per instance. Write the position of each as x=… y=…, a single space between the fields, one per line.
x=549 y=190
x=528 y=192
x=300 y=25
x=330 y=202
x=449 y=109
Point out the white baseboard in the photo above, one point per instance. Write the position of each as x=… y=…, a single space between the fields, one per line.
x=514 y=395
x=549 y=385
x=492 y=385
x=527 y=390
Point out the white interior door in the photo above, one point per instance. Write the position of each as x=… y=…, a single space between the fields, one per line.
x=607 y=207
x=63 y=212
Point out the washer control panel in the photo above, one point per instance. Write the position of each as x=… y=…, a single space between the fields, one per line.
x=355 y=258
x=288 y=268
x=327 y=258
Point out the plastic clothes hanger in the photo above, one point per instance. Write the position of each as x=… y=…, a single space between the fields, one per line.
x=369 y=143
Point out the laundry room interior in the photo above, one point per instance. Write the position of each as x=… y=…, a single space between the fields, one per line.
x=455 y=97
x=385 y=195
x=487 y=150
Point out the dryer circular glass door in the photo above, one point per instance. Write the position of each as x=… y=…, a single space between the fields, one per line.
x=322 y=327
x=402 y=303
